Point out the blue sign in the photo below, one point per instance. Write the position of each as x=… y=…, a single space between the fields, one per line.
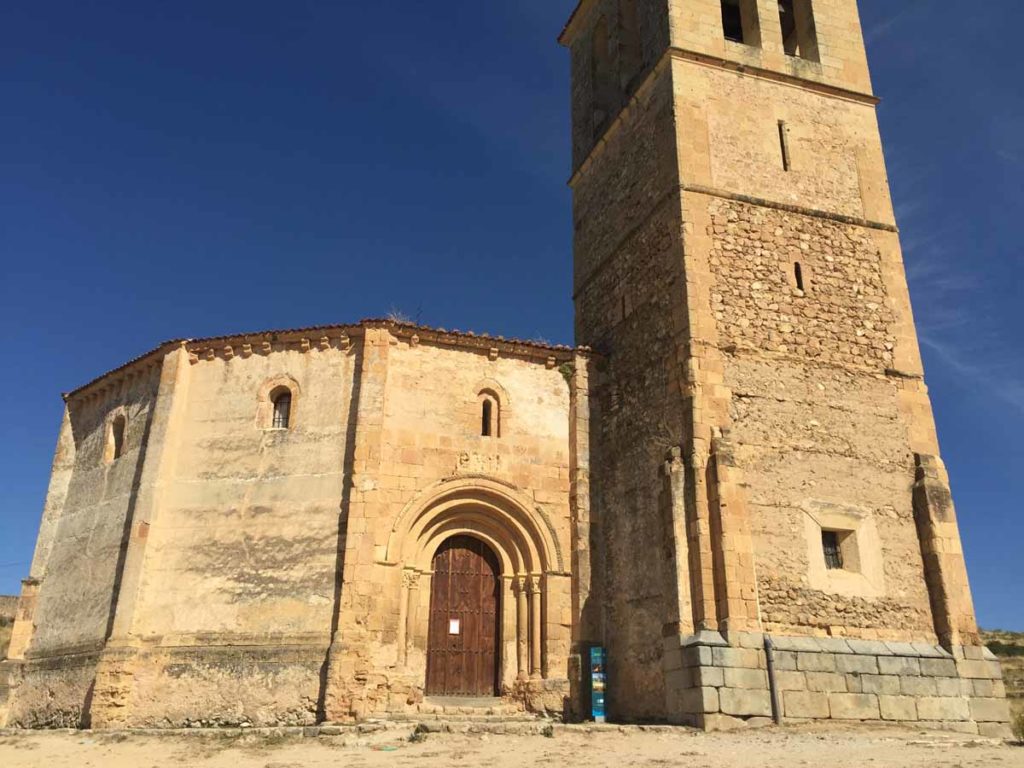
x=598 y=681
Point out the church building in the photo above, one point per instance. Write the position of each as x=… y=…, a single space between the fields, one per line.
x=732 y=484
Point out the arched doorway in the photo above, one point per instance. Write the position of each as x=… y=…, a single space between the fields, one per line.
x=462 y=641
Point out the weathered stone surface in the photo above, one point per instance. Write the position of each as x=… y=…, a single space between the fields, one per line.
x=701 y=700
x=995 y=731
x=720 y=722
x=805 y=704
x=935 y=708
x=745 y=703
x=859 y=664
x=854 y=706
x=938 y=667
x=886 y=684
x=816 y=662
x=990 y=710
x=738 y=657
x=710 y=676
x=746 y=678
x=898 y=665
x=918 y=686
x=902 y=708
x=989 y=670
x=791 y=681
x=755 y=387
x=826 y=681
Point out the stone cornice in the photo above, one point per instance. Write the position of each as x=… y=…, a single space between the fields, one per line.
x=139 y=366
x=324 y=338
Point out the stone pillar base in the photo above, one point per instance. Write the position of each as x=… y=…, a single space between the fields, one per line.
x=715 y=685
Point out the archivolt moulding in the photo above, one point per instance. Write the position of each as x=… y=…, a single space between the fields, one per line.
x=495 y=512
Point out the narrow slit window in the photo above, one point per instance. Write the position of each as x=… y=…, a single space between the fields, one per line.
x=833 y=552
x=486 y=416
x=798 y=274
x=784 y=146
x=117 y=430
x=282 y=410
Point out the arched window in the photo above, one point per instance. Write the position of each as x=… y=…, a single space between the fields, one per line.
x=490 y=415
x=282 y=400
x=115 y=438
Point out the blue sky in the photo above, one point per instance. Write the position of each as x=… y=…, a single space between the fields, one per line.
x=197 y=168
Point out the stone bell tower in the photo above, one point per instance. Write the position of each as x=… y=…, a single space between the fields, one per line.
x=764 y=459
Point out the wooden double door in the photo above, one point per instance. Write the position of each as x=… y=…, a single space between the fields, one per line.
x=462 y=645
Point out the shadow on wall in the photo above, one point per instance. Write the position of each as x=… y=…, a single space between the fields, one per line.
x=8 y=607
x=346 y=496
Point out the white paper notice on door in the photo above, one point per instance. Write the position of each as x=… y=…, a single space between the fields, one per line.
x=454 y=627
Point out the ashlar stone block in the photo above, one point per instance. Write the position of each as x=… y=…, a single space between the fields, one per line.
x=746 y=678
x=816 y=662
x=918 y=686
x=805 y=704
x=938 y=667
x=745 y=703
x=854 y=706
x=990 y=710
x=864 y=665
x=901 y=708
x=899 y=665
x=827 y=682
x=883 y=684
x=938 y=708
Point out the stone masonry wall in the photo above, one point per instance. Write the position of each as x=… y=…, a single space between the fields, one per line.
x=243 y=552
x=697 y=26
x=816 y=420
x=68 y=605
x=843 y=679
x=419 y=431
x=74 y=609
x=629 y=292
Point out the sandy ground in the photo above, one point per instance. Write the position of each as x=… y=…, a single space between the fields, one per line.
x=567 y=748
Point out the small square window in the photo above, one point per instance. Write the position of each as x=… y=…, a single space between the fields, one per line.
x=831 y=545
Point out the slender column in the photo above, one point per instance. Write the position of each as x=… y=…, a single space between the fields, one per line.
x=680 y=616
x=535 y=638
x=944 y=567
x=522 y=629
x=733 y=545
x=409 y=579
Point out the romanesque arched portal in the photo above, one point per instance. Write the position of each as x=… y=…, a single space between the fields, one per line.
x=525 y=555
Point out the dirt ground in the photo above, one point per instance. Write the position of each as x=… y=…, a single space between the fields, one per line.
x=566 y=748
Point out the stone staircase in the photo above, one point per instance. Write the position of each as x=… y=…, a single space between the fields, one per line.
x=466 y=711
